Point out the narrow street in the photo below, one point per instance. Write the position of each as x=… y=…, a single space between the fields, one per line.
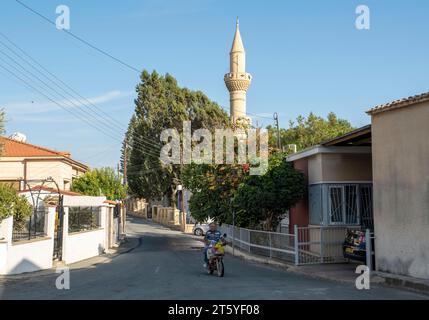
x=165 y=264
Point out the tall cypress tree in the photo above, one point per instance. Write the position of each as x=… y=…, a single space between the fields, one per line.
x=162 y=104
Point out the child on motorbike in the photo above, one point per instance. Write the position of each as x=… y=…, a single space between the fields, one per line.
x=212 y=237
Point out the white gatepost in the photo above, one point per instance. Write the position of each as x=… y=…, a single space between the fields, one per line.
x=65 y=233
x=50 y=222
x=105 y=226
x=6 y=230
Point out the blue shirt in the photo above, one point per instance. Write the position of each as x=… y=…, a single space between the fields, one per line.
x=213 y=236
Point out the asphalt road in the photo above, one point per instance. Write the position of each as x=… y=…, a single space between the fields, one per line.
x=165 y=264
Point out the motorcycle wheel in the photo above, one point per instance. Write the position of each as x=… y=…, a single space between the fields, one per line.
x=220 y=268
x=210 y=269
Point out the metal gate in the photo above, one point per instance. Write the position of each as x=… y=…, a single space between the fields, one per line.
x=41 y=191
x=318 y=244
x=59 y=226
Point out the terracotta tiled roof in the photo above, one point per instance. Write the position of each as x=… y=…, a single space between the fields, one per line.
x=110 y=202
x=13 y=148
x=399 y=103
x=51 y=190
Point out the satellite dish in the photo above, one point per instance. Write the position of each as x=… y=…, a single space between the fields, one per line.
x=18 y=136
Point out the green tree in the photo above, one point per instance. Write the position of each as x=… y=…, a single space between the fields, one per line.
x=257 y=200
x=310 y=131
x=163 y=104
x=264 y=199
x=100 y=182
x=212 y=187
x=11 y=204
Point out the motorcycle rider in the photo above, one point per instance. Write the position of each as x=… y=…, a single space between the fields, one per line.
x=211 y=235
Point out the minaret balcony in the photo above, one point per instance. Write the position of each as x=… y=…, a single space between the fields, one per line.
x=237 y=81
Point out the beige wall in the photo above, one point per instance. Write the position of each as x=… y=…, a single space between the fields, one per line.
x=57 y=170
x=315 y=169
x=338 y=167
x=11 y=168
x=14 y=169
x=401 y=190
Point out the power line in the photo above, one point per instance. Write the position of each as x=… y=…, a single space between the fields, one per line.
x=48 y=86
x=47 y=71
x=26 y=83
x=250 y=114
x=140 y=140
x=103 y=52
x=102 y=152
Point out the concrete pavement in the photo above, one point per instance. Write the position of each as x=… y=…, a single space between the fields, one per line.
x=158 y=263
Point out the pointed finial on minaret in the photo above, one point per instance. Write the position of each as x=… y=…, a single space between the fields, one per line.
x=237 y=44
x=238 y=22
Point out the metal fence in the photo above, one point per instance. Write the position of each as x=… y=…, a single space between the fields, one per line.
x=31 y=229
x=83 y=218
x=308 y=245
x=269 y=244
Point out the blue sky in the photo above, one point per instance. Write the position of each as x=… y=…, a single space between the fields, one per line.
x=304 y=56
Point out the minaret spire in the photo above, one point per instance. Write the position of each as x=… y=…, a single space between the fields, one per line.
x=237 y=80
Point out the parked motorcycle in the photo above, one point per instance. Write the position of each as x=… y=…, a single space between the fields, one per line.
x=215 y=254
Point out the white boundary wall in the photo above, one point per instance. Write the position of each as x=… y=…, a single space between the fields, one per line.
x=83 y=245
x=26 y=256
x=33 y=255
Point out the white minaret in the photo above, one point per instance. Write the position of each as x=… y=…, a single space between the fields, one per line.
x=237 y=80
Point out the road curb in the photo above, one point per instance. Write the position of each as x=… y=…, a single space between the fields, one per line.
x=402 y=282
x=253 y=258
x=288 y=267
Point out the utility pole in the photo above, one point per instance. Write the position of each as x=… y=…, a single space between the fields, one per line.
x=124 y=182
x=182 y=197
x=276 y=119
x=125 y=164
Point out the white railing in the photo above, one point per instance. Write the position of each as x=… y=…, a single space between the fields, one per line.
x=319 y=244
x=270 y=244
x=307 y=245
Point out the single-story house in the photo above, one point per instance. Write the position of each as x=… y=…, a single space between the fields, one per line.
x=339 y=176
x=375 y=177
